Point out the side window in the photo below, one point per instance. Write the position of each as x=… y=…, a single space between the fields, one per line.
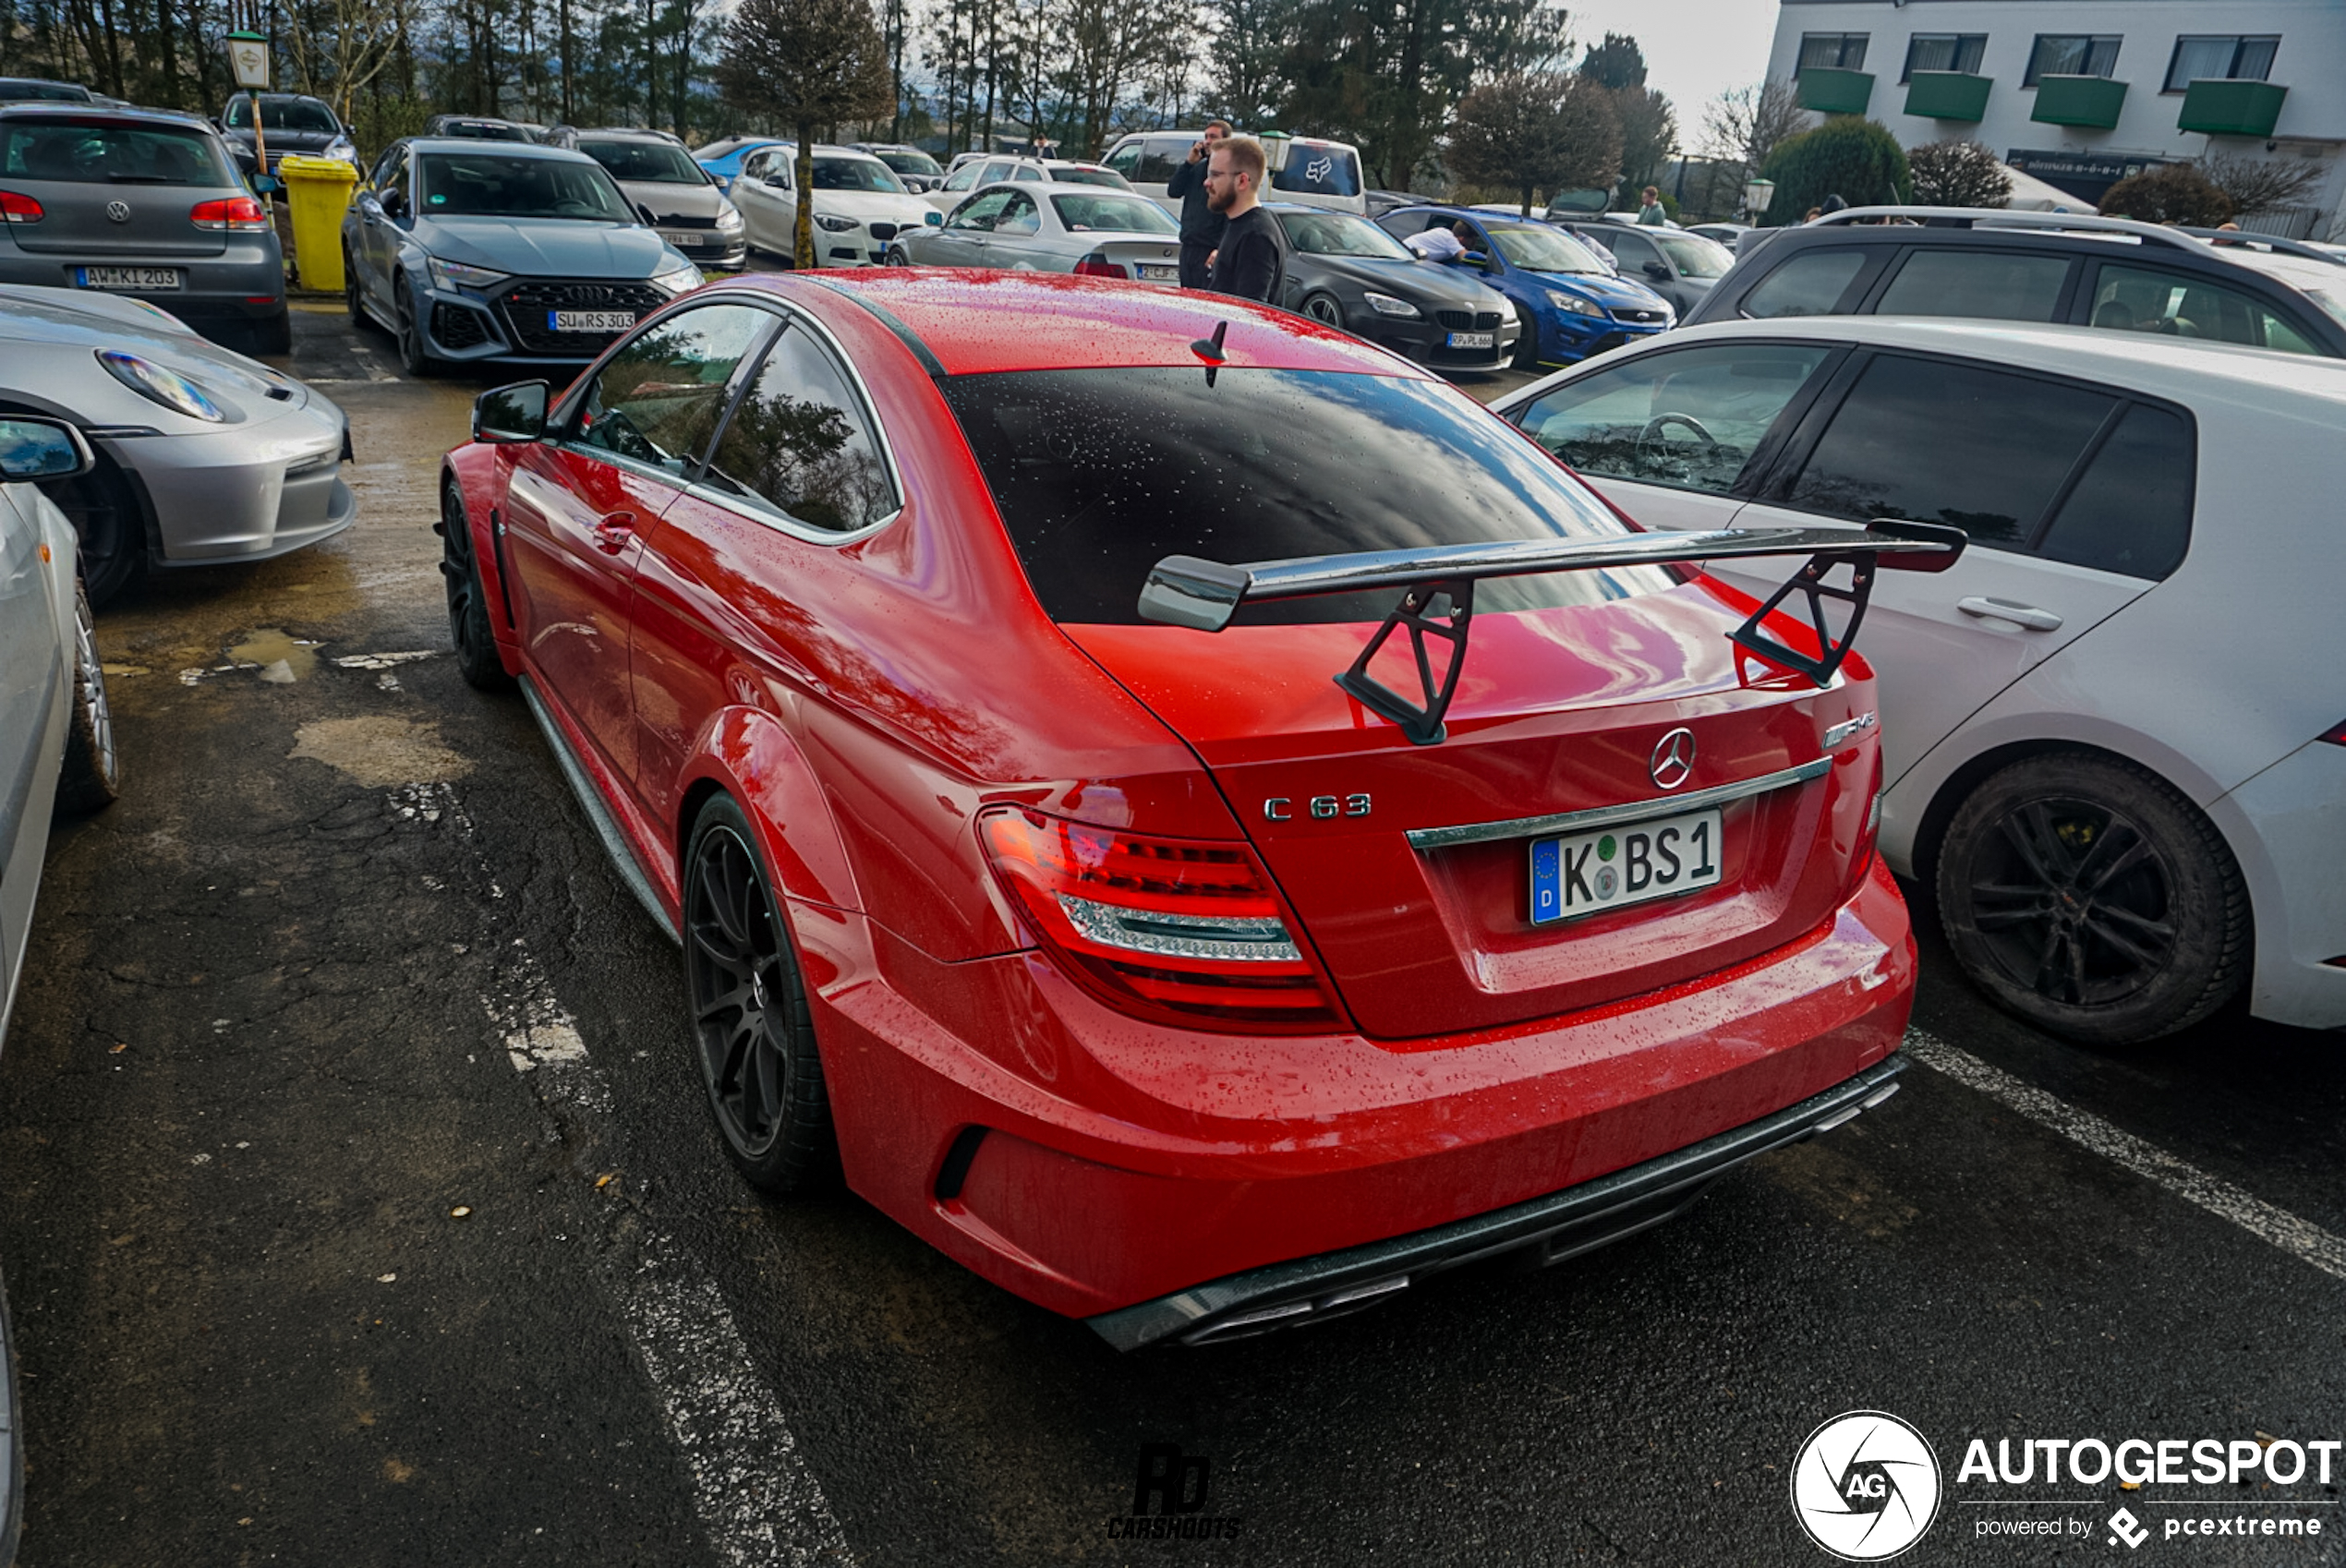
x=1689 y=419
x=999 y=169
x=1934 y=443
x=2140 y=299
x=1810 y=283
x=659 y=399
x=2131 y=511
x=1019 y=216
x=962 y=178
x=389 y=165
x=1029 y=172
x=1125 y=159
x=1159 y=157
x=1996 y=285
x=980 y=212
x=799 y=444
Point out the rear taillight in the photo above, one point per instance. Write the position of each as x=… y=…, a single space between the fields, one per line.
x=1183 y=931
x=18 y=208
x=237 y=212
x=1097 y=266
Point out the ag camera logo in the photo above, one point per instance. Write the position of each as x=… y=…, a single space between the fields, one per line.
x=1866 y=1486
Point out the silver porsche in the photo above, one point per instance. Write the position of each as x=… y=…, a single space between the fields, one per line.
x=200 y=455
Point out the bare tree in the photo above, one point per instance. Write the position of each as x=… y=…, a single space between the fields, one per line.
x=1745 y=125
x=806 y=63
x=2260 y=184
x=1537 y=130
x=338 y=46
x=1958 y=174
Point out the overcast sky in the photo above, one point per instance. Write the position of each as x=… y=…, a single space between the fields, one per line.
x=1695 y=49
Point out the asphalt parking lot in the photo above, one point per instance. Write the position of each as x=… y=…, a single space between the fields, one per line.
x=359 y=1204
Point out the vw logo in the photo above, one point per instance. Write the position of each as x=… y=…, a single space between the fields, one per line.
x=1673 y=760
x=118 y=210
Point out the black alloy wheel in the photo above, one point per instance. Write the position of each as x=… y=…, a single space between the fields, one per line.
x=468 y=628
x=91 y=779
x=1322 y=308
x=1527 y=345
x=751 y=1026
x=2088 y=897
x=413 y=356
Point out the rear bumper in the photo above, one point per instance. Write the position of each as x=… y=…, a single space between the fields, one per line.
x=1560 y=1225
x=1092 y=1163
x=242 y=286
x=2287 y=826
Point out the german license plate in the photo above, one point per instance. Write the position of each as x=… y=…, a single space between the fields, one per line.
x=1474 y=340
x=1149 y=272
x=681 y=237
x=1583 y=873
x=589 y=320
x=138 y=280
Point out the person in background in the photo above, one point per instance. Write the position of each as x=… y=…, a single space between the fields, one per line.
x=1814 y=213
x=1251 y=262
x=1200 y=225
x=1652 y=214
x=1442 y=245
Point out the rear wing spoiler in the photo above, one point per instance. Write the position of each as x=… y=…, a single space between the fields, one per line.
x=1183 y=590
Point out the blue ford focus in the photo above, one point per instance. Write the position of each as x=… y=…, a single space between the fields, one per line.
x=1567 y=299
x=468 y=250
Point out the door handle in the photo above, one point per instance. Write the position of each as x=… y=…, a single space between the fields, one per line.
x=2022 y=615
x=613 y=532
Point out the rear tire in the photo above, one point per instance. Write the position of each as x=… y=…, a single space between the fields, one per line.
x=468 y=628
x=93 y=776
x=2087 y=896
x=274 y=335
x=752 y=1033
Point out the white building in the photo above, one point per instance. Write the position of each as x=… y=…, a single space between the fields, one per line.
x=2081 y=92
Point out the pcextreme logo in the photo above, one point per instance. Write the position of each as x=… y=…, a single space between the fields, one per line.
x=1866 y=1486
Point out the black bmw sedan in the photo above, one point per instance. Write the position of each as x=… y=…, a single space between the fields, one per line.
x=1350 y=274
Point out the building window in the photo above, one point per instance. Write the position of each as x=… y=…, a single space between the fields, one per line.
x=1832 y=51
x=2072 y=54
x=2229 y=58
x=1945 y=52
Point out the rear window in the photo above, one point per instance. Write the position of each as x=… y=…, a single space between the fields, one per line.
x=284 y=115
x=1100 y=474
x=652 y=163
x=1340 y=234
x=111 y=154
x=857 y=174
x=1121 y=214
x=1319 y=170
x=1106 y=177
x=23 y=90
x=910 y=161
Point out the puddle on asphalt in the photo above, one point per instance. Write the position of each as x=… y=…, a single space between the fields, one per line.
x=380 y=750
x=282 y=660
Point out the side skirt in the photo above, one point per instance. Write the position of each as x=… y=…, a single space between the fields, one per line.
x=615 y=844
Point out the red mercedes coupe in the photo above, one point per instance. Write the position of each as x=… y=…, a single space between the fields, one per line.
x=1179 y=807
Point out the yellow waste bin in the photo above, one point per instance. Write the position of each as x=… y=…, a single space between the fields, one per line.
x=318 y=189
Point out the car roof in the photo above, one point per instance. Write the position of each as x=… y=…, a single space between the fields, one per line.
x=621 y=133
x=473 y=144
x=1070 y=322
x=2189 y=371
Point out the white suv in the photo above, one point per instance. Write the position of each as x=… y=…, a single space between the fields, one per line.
x=2115 y=733
x=859 y=204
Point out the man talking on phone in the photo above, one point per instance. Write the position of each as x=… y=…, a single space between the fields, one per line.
x=1201 y=225
x=1250 y=262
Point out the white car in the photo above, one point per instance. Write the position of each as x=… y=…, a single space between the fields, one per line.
x=860 y=204
x=1051 y=228
x=2115 y=733
x=965 y=178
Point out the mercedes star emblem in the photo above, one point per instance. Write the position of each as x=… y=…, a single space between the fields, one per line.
x=118 y=210
x=1673 y=761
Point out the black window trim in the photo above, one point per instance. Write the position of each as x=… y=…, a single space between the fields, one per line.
x=1907 y=71
x=2117 y=40
x=2064 y=302
x=2240 y=41
x=1780 y=431
x=795 y=319
x=1793 y=457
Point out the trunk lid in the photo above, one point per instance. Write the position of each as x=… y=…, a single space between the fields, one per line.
x=79 y=220
x=1558 y=711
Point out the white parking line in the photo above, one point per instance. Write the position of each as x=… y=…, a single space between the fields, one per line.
x=2298 y=1238
x=761 y=1505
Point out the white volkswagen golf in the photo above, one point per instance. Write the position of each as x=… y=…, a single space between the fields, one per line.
x=2115 y=733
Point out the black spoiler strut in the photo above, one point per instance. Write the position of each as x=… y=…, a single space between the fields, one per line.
x=1185 y=591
